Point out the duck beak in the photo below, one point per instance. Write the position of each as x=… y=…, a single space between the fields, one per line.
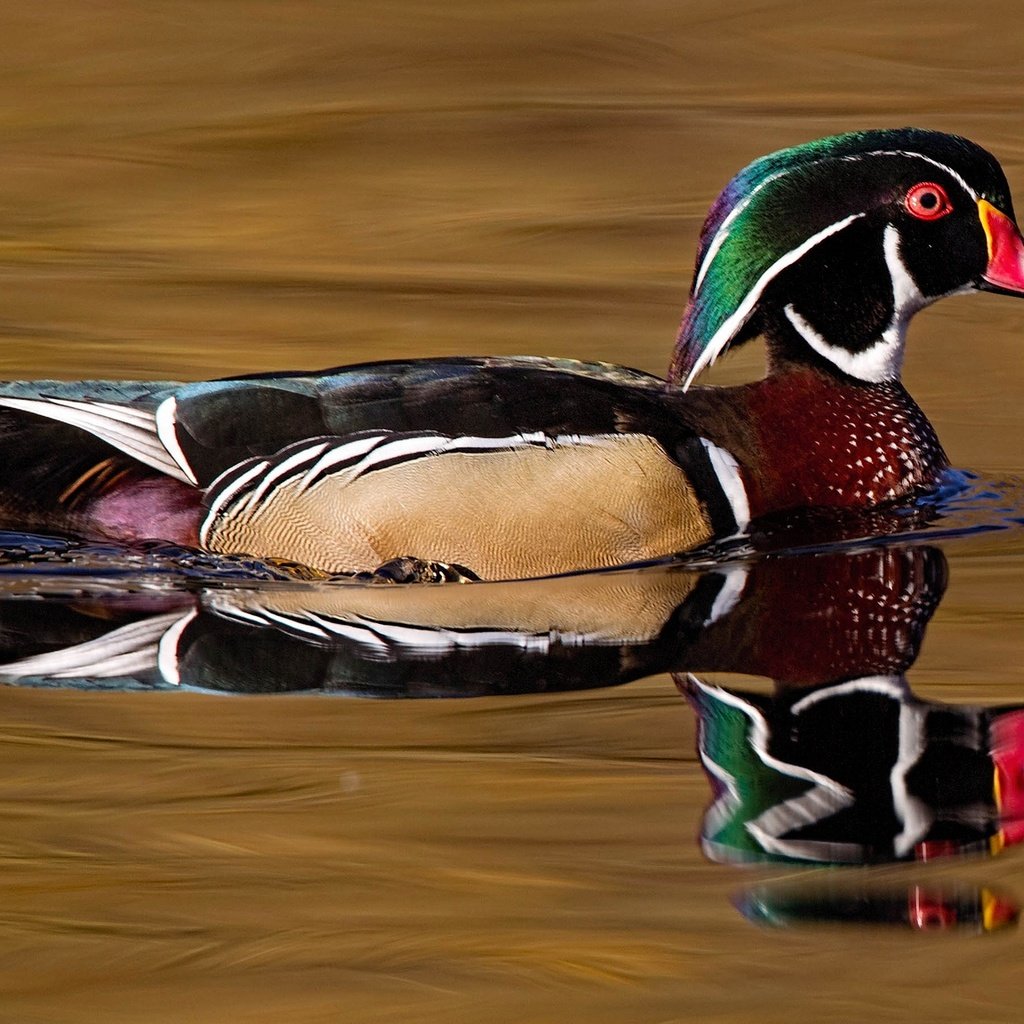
x=1005 y=270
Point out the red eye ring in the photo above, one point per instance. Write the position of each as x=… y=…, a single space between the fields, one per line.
x=927 y=201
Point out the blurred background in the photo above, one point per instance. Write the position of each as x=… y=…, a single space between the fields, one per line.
x=196 y=189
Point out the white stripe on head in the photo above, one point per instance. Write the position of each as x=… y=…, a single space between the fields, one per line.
x=723 y=229
x=928 y=160
x=721 y=338
x=823 y=798
x=890 y=686
x=912 y=812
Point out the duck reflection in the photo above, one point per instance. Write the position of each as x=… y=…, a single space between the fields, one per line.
x=373 y=640
x=839 y=763
x=856 y=772
x=799 y=619
x=842 y=763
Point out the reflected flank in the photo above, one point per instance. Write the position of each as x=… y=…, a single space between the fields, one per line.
x=801 y=619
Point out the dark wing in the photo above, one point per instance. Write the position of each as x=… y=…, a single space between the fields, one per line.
x=220 y=423
x=194 y=432
x=61 y=435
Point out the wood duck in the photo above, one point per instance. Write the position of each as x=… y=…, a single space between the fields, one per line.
x=519 y=467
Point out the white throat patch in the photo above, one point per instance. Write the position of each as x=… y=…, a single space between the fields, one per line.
x=884 y=359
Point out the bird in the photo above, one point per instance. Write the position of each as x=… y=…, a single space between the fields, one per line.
x=485 y=468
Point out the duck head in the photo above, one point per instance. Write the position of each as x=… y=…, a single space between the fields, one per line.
x=829 y=248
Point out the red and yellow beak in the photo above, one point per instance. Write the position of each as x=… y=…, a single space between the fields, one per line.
x=1005 y=270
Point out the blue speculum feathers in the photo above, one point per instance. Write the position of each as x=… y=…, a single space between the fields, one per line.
x=751 y=227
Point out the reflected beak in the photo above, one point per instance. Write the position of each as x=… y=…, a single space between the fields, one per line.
x=1005 y=270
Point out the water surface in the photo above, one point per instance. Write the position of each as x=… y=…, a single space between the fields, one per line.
x=197 y=190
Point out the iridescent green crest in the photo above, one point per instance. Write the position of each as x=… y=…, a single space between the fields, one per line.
x=783 y=204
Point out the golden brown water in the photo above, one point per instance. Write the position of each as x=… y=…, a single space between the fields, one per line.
x=196 y=189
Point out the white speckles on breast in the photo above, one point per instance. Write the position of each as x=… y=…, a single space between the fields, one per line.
x=828 y=442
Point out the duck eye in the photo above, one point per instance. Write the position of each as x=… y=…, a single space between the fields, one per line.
x=928 y=201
